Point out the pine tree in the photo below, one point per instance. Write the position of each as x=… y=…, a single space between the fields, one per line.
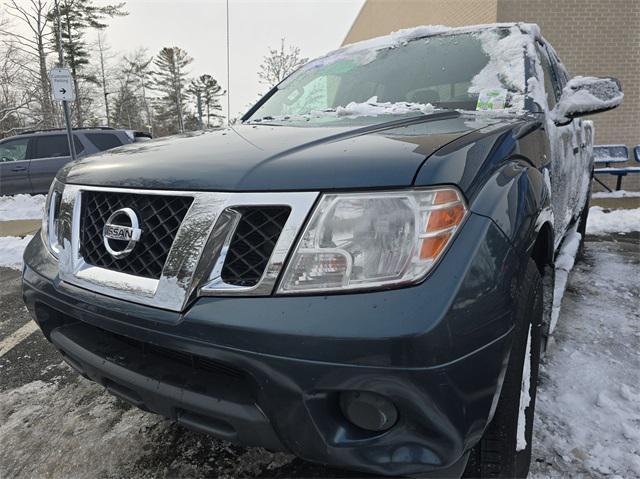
x=76 y=17
x=279 y=64
x=206 y=91
x=169 y=78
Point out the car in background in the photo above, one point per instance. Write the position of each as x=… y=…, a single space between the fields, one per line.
x=29 y=161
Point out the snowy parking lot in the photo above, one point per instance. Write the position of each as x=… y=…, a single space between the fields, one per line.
x=54 y=423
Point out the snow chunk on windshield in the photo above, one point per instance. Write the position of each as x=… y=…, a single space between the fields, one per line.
x=374 y=108
x=371 y=107
x=506 y=64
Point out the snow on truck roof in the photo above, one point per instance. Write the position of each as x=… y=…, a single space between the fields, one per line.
x=403 y=36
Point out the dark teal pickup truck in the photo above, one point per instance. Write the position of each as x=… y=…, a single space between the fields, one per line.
x=360 y=272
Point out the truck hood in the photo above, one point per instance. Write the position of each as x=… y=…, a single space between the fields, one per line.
x=270 y=157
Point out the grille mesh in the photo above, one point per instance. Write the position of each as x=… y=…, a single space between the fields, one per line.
x=252 y=244
x=159 y=216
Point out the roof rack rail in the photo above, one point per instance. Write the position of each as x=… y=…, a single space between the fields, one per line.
x=42 y=130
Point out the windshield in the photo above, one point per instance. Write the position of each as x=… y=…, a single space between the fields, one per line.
x=450 y=71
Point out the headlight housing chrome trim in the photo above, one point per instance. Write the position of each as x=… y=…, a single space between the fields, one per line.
x=49 y=231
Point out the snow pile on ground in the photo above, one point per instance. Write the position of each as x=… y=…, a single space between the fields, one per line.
x=602 y=221
x=11 y=249
x=616 y=194
x=21 y=207
x=588 y=404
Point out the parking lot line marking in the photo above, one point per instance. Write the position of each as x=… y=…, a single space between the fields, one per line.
x=8 y=343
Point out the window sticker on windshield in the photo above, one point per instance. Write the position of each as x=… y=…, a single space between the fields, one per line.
x=492 y=99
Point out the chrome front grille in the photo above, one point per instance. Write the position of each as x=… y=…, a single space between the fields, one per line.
x=191 y=243
x=160 y=218
x=252 y=243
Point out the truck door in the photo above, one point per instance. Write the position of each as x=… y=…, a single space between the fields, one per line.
x=566 y=173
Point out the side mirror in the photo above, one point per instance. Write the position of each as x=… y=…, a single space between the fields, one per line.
x=586 y=96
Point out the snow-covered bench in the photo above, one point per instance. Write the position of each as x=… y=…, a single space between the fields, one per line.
x=609 y=155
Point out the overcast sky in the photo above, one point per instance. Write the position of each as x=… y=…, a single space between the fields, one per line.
x=198 y=26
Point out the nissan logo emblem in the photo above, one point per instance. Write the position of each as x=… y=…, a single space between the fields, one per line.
x=114 y=231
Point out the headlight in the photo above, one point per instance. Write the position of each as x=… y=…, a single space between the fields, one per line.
x=49 y=229
x=373 y=240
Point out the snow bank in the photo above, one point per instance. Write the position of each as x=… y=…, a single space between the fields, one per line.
x=21 y=207
x=616 y=194
x=602 y=221
x=11 y=249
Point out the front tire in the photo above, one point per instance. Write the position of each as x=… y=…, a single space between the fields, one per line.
x=505 y=448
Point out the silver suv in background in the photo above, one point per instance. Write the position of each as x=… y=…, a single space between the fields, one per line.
x=29 y=161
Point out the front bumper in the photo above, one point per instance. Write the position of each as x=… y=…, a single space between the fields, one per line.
x=268 y=371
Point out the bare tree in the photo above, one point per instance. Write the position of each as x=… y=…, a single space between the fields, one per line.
x=34 y=47
x=278 y=64
x=16 y=98
x=104 y=56
x=139 y=64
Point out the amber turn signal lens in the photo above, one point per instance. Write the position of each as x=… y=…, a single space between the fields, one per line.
x=445 y=196
x=446 y=218
x=432 y=247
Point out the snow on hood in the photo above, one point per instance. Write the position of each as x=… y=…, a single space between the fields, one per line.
x=583 y=94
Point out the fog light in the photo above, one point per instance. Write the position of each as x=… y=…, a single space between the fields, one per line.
x=368 y=411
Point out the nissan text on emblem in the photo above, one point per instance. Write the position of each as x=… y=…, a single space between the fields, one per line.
x=114 y=231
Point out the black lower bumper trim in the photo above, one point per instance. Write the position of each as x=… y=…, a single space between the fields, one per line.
x=201 y=399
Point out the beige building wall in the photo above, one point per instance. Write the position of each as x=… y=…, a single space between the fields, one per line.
x=379 y=17
x=592 y=37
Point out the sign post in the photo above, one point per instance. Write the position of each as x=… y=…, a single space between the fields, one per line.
x=63 y=90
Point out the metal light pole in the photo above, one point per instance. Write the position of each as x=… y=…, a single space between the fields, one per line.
x=65 y=104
